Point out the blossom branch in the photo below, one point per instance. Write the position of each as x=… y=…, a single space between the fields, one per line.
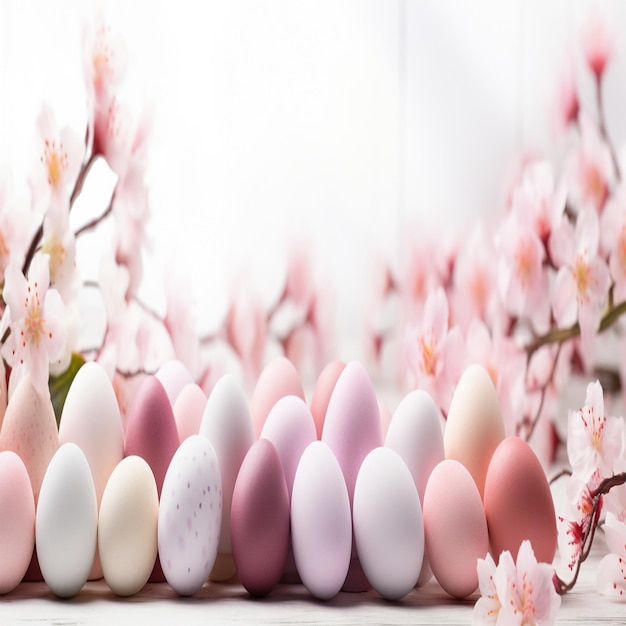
x=90 y=225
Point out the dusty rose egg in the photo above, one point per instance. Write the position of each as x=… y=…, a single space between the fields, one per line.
x=278 y=379
x=259 y=519
x=321 y=393
x=188 y=410
x=174 y=377
x=455 y=528
x=17 y=520
x=518 y=502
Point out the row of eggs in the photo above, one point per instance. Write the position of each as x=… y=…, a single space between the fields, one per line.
x=258 y=493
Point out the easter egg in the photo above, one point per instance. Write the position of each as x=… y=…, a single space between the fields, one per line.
x=474 y=427
x=190 y=515
x=388 y=526
x=455 y=528
x=174 y=377
x=188 y=410
x=17 y=520
x=321 y=523
x=518 y=502
x=66 y=522
x=278 y=379
x=127 y=526
x=260 y=519
x=227 y=424
x=321 y=393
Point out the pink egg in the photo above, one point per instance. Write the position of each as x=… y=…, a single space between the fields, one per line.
x=17 y=520
x=518 y=502
x=455 y=528
x=188 y=410
x=278 y=379
x=322 y=392
x=352 y=429
x=174 y=377
x=259 y=522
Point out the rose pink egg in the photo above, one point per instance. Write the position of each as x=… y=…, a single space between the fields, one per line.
x=518 y=502
x=321 y=393
x=455 y=528
x=188 y=410
x=17 y=520
x=278 y=379
x=174 y=377
x=259 y=522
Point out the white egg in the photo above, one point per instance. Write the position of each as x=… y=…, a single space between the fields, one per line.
x=127 y=526
x=190 y=515
x=227 y=424
x=66 y=522
x=321 y=523
x=388 y=525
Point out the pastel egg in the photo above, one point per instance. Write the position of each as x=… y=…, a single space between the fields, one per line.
x=260 y=519
x=321 y=523
x=278 y=379
x=455 y=528
x=66 y=522
x=151 y=431
x=188 y=410
x=190 y=515
x=321 y=393
x=227 y=424
x=127 y=526
x=388 y=526
x=174 y=377
x=352 y=429
x=518 y=502
x=17 y=520
x=30 y=430
x=474 y=427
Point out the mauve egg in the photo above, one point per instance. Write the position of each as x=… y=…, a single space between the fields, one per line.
x=17 y=520
x=388 y=526
x=322 y=391
x=190 y=515
x=455 y=528
x=188 y=410
x=66 y=522
x=227 y=424
x=30 y=430
x=278 y=379
x=352 y=429
x=151 y=431
x=174 y=377
x=518 y=502
x=474 y=426
x=260 y=519
x=321 y=523
x=127 y=526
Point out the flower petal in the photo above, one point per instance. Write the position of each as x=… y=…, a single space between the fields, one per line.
x=612 y=576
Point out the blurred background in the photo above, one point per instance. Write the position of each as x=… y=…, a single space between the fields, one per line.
x=327 y=126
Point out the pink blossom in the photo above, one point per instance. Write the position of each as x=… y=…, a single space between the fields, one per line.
x=35 y=315
x=522 y=279
x=597 y=43
x=382 y=309
x=583 y=280
x=434 y=351
x=615 y=502
x=59 y=159
x=612 y=569
x=567 y=103
x=613 y=240
x=516 y=593
x=594 y=441
x=589 y=168
x=59 y=243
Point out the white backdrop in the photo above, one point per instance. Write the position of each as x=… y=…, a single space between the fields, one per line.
x=337 y=122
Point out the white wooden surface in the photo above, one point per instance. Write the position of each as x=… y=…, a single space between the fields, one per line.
x=32 y=603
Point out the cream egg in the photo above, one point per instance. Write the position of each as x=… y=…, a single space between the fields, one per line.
x=127 y=526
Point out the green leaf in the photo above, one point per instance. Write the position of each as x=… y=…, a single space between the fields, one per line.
x=60 y=385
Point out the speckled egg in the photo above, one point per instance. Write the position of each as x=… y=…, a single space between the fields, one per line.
x=17 y=520
x=190 y=515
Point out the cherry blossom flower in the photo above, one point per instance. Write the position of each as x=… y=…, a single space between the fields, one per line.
x=516 y=593
x=615 y=502
x=594 y=441
x=612 y=568
x=59 y=243
x=597 y=43
x=583 y=279
x=613 y=240
x=35 y=315
x=522 y=279
x=567 y=103
x=434 y=351
x=59 y=159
